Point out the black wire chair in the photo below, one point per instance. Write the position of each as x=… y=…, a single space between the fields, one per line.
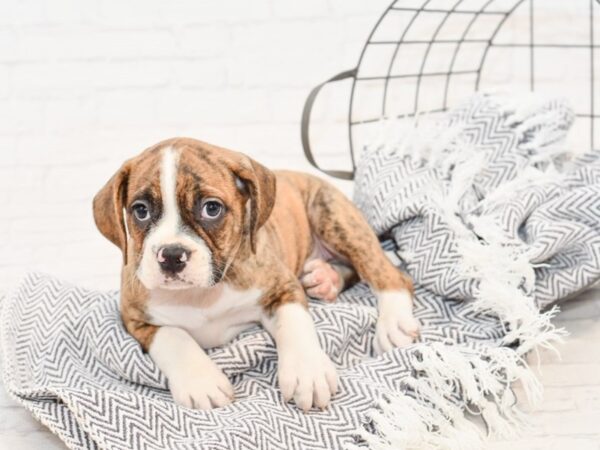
x=449 y=47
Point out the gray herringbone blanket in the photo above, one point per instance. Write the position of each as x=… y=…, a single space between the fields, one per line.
x=485 y=211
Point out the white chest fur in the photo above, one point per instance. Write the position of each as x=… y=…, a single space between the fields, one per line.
x=212 y=317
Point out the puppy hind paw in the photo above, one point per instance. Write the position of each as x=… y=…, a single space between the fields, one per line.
x=396 y=324
x=321 y=280
x=410 y=325
x=389 y=336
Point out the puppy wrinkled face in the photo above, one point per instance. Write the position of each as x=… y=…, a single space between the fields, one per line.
x=185 y=215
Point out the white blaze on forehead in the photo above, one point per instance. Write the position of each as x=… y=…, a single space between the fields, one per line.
x=169 y=231
x=168 y=189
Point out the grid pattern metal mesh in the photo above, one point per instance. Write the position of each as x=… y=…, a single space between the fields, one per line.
x=423 y=56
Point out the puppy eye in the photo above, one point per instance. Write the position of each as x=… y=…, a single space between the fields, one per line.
x=141 y=211
x=211 y=209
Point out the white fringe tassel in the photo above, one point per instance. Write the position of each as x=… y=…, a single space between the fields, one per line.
x=454 y=379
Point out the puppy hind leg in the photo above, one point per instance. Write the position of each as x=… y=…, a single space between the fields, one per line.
x=344 y=231
x=341 y=226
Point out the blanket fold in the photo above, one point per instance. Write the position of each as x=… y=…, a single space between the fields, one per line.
x=486 y=211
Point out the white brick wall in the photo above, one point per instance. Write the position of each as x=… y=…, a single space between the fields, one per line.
x=85 y=84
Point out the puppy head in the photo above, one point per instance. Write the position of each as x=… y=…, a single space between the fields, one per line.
x=181 y=210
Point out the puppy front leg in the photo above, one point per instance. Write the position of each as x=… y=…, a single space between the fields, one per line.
x=306 y=374
x=194 y=379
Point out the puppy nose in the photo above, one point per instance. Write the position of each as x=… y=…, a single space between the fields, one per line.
x=172 y=258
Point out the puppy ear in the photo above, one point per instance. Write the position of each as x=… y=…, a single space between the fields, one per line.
x=108 y=209
x=260 y=184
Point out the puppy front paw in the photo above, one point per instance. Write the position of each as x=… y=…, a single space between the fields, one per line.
x=307 y=377
x=204 y=388
x=396 y=326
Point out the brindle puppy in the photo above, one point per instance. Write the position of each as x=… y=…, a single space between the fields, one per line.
x=213 y=242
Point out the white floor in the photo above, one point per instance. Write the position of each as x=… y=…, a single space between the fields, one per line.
x=569 y=417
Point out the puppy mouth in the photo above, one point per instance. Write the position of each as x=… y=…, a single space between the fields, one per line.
x=179 y=282
x=175 y=284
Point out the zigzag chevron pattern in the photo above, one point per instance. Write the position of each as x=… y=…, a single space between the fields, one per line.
x=68 y=359
x=554 y=217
